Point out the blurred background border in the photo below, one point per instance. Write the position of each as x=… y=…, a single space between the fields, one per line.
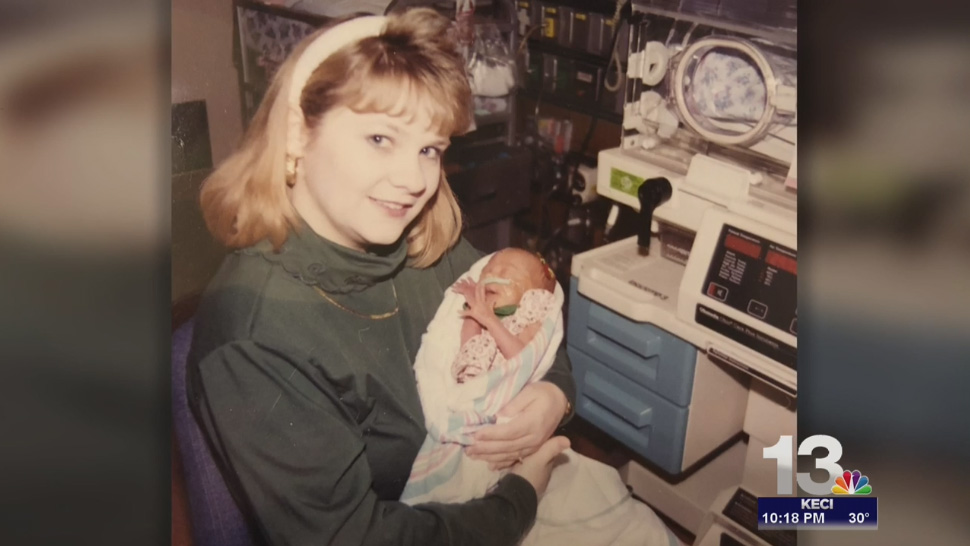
x=85 y=282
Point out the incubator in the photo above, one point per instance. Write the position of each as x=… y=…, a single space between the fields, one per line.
x=684 y=338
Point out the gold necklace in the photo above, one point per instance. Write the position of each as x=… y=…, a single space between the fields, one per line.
x=381 y=316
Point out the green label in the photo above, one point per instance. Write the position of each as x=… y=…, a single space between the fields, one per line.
x=624 y=181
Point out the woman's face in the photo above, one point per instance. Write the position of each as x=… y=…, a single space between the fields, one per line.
x=365 y=176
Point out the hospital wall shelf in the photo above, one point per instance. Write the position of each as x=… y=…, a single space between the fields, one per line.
x=543 y=46
x=586 y=109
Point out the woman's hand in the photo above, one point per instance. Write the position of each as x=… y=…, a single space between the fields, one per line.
x=533 y=416
x=537 y=468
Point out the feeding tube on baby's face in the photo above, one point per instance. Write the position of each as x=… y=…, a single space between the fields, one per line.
x=502 y=310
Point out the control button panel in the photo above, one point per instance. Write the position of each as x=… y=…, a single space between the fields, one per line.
x=758 y=309
x=717 y=291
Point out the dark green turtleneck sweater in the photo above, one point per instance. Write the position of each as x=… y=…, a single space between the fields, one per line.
x=312 y=407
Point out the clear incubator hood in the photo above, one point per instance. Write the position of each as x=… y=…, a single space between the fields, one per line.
x=716 y=79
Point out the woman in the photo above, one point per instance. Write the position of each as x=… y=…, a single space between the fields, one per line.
x=346 y=230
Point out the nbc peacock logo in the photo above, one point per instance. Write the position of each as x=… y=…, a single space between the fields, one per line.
x=852 y=483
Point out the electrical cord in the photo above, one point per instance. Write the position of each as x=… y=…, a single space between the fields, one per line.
x=614 y=59
x=614 y=55
x=525 y=39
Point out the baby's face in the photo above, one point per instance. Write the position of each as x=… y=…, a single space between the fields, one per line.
x=518 y=267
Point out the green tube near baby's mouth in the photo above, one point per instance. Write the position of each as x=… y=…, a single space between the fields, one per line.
x=503 y=311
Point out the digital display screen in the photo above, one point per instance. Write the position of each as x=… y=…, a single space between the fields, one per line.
x=758 y=278
x=737 y=244
x=779 y=260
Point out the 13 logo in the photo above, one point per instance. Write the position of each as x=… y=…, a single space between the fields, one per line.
x=839 y=481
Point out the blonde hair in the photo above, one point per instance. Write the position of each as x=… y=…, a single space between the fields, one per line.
x=244 y=200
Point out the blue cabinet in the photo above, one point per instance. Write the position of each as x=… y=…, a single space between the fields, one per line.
x=634 y=381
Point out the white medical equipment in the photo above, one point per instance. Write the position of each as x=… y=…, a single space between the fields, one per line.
x=684 y=344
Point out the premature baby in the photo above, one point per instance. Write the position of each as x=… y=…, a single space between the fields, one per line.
x=473 y=362
x=504 y=310
x=506 y=337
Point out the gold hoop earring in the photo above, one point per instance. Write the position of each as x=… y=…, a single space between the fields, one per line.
x=291 y=167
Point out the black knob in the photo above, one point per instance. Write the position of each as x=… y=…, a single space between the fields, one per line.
x=652 y=193
x=579 y=182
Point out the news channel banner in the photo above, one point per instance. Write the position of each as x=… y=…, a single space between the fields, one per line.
x=841 y=502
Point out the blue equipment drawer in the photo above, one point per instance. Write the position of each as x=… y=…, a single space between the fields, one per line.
x=642 y=353
x=637 y=417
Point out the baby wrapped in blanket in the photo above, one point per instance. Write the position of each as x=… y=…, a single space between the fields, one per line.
x=498 y=329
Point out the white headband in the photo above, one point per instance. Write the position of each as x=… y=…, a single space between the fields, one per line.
x=329 y=42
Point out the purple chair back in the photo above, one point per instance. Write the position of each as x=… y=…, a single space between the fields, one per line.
x=216 y=519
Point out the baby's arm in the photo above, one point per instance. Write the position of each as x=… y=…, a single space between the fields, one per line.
x=469 y=329
x=508 y=343
x=517 y=343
